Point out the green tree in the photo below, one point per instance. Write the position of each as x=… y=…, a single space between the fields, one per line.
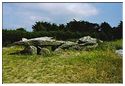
x=38 y=26
x=118 y=31
x=106 y=31
x=21 y=29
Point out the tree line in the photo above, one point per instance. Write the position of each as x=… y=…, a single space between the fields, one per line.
x=72 y=30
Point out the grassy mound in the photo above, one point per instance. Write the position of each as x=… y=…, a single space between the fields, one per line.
x=100 y=65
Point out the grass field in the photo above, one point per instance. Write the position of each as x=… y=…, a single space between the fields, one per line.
x=100 y=65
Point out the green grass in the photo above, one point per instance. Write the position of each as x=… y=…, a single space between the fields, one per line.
x=114 y=45
x=100 y=65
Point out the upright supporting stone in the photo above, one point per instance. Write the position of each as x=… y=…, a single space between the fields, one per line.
x=30 y=50
x=44 y=51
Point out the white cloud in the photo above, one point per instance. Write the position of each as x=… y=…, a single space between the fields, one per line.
x=83 y=9
x=61 y=11
x=35 y=18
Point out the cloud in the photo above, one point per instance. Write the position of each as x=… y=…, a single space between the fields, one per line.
x=28 y=13
x=84 y=9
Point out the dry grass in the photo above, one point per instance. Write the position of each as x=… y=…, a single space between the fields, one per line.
x=100 y=65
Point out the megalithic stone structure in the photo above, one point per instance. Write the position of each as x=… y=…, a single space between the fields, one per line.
x=36 y=45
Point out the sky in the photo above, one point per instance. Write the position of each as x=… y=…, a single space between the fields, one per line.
x=16 y=15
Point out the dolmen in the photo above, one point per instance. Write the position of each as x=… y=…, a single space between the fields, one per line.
x=43 y=45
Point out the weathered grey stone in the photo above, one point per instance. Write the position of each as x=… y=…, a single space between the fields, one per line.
x=30 y=50
x=83 y=47
x=45 y=43
x=67 y=44
x=119 y=52
x=76 y=47
x=89 y=47
x=99 y=41
x=58 y=50
x=87 y=40
x=42 y=38
x=24 y=39
x=44 y=52
x=41 y=41
x=40 y=45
